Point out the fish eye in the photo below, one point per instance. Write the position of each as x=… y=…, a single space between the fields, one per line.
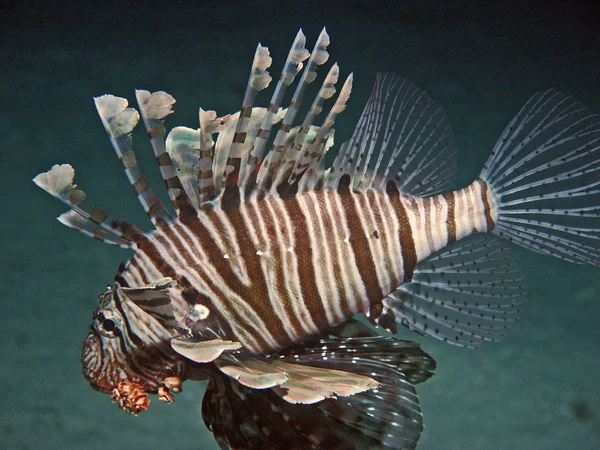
x=108 y=325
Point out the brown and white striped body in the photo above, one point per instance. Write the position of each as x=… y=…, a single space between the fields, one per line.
x=273 y=271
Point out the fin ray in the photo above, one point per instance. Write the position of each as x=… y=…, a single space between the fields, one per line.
x=402 y=135
x=545 y=171
x=466 y=294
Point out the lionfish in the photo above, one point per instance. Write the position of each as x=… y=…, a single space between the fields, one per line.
x=254 y=282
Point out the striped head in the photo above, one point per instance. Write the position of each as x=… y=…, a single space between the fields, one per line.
x=127 y=354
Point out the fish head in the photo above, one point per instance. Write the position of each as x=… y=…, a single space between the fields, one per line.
x=127 y=354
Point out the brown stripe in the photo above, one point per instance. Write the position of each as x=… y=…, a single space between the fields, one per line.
x=135 y=263
x=407 y=243
x=158 y=131
x=75 y=196
x=239 y=138
x=257 y=293
x=329 y=224
x=164 y=159
x=246 y=111
x=128 y=159
x=141 y=185
x=306 y=272
x=263 y=134
x=98 y=215
x=486 y=205
x=339 y=221
x=100 y=234
x=358 y=240
x=173 y=182
x=451 y=218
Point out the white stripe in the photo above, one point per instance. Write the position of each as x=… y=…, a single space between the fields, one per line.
x=376 y=245
x=269 y=270
x=353 y=283
x=307 y=206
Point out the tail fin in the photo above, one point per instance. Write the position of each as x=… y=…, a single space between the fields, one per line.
x=545 y=171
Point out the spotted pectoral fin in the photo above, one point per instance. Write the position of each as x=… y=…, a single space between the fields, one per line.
x=386 y=417
x=294 y=383
x=467 y=294
x=202 y=351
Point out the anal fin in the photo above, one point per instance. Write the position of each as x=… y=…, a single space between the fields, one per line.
x=467 y=294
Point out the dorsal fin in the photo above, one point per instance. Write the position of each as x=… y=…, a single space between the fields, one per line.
x=196 y=168
x=304 y=135
x=293 y=65
x=318 y=57
x=209 y=125
x=259 y=80
x=154 y=107
x=402 y=135
x=315 y=152
x=119 y=121
x=90 y=220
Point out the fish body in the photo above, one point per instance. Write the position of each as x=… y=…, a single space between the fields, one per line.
x=274 y=270
x=254 y=280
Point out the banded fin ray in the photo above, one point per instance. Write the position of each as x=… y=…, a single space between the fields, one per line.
x=278 y=153
x=119 y=121
x=296 y=155
x=154 y=108
x=293 y=65
x=545 y=170
x=236 y=153
x=466 y=294
x=314 y=154
x=90 y=220
x=402 y=135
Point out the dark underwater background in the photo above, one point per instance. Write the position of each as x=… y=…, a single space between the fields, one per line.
x=481 y=60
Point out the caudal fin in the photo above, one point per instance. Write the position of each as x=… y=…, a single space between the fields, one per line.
x=545 y=171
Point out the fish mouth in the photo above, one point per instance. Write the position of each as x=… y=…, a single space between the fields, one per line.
x=131 y=396
x=93 y=364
